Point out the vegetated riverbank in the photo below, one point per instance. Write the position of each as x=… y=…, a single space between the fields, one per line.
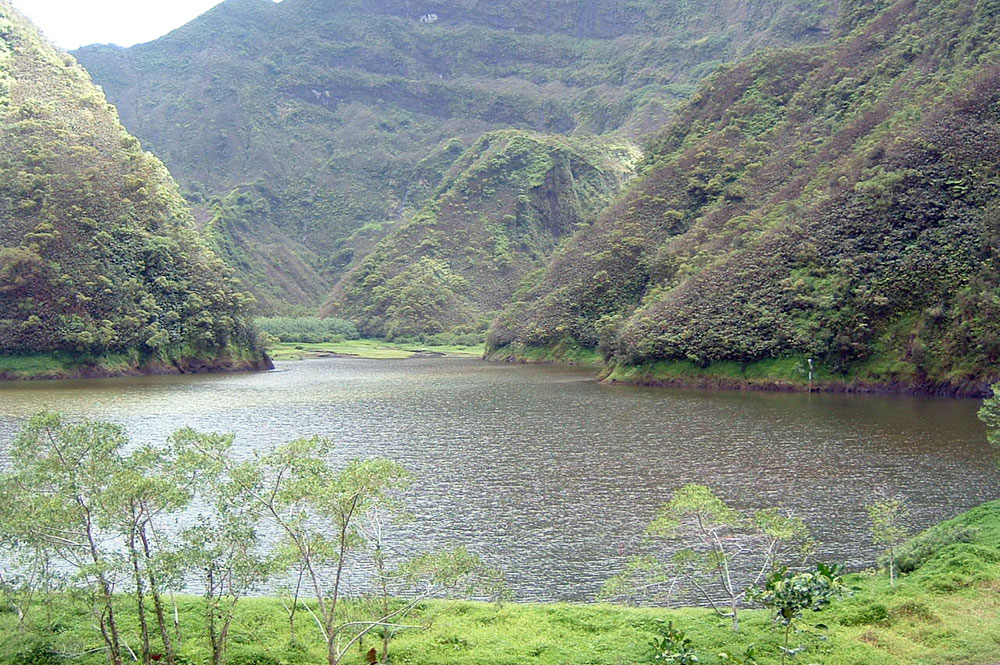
x=788 y=374
x=945 y=610
x=567 y=352
x=60 y=365
x=371 y=349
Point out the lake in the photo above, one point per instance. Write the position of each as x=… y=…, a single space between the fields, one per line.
x=553 y=476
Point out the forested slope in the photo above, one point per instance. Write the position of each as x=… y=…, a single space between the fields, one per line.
x=503 y=208
x=98 y=252
x=336 y=119
x=836 y=203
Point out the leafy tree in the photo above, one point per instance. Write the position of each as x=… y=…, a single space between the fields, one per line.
x=673 y=647
x=888 y=517
x=319 y=509
x=789 y=594
x=144 y=489
x=225 y=545
x=722 y=551
x=27 y=573
x=989 y=413
x=61 y=475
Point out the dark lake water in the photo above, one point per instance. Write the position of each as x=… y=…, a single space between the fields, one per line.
x=553 y=476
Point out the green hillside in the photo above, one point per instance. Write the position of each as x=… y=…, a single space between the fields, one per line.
x=99 y=259
x=836 y=203
x=501 y=211
x=339 y=119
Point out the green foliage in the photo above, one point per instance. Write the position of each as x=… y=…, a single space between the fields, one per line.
x=341 y=120
x=673 y=647
x=30 y=649
x=98 y=252
x=710 y=543
x=915 y=552
x=307 y=329
x=888 y=515
x=835 y=203
x=928 y=624
x=499 y=213
x=989 y=414
x=83 y=527
x=250 y=656
x=747 y=657
x=789 y=595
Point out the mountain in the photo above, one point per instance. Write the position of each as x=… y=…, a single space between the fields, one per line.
x=837 y=206
x=99 y=259
x=502 y=209
x=337 y=120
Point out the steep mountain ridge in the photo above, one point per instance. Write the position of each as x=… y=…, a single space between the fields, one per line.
x=326 y=112
x=502 y=209
x=98 y=253
x=827 y=211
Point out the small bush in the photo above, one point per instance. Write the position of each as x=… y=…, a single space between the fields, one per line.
x=913 y=610
x=867 y=615
x=917 y=551
x=30 y=650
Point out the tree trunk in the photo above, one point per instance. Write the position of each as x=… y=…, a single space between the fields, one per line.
x=161 y=620
x=140 y=596
x=210 y=607
x=108 y=625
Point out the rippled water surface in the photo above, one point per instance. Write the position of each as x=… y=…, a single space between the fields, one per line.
x=553 y=476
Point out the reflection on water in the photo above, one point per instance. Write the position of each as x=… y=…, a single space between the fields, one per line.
x=551 y=475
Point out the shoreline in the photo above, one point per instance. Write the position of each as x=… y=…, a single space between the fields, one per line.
x=719 y=376
x=97 y=370
x=778 y=386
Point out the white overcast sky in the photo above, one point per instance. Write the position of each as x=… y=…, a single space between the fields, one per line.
x=74 y=23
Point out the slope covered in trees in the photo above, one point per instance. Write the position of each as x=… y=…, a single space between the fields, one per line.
x=337 y=119
x=503 y=208
x=836 y=203
x=98 y=252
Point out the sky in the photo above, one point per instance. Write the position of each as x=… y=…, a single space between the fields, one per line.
x=74 y=23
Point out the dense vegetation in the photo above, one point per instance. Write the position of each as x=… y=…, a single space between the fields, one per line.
x=306 y=329
x=90 y=577
x=502 y=209
x=836 y=203
x=98 y=253
x=334 y=120
x=87 y=516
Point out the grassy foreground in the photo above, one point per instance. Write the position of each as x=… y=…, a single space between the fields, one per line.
x=366 y=348
x=947 y=611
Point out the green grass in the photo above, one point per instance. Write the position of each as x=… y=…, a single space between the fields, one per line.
x=567 y=351
x=788 y=372
x=946 y=611
x=32 y=365
x=57 y=365
x=366 y=348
